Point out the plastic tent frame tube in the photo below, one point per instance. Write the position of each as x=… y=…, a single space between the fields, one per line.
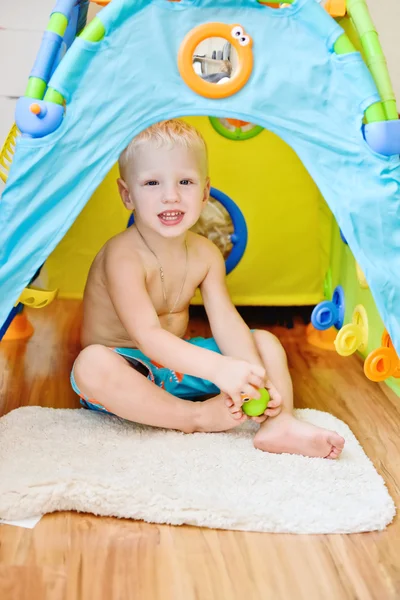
x=64 y=7
x=93 y=32
x=374 y=113
x=82 y=15
x=71 y=29
x=36 y=88
x=375 y=58
x=49 y=49
x=343 y=45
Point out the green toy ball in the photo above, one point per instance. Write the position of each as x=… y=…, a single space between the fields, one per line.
x=256 y=407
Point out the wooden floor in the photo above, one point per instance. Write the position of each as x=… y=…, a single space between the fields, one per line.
x=73 y=556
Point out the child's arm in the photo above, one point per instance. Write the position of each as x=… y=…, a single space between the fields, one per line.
x=125 y=280
x=228 y=328
x=230 y=331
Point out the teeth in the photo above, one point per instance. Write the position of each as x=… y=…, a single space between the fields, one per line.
x=170 y=215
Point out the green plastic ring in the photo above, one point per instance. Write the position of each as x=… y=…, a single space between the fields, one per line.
x=238 y=134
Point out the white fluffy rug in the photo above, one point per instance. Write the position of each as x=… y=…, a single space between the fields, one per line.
x=54 y=460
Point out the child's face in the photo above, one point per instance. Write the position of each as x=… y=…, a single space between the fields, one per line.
x=167 y=188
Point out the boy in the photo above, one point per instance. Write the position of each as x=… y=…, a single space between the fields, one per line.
x=135 y=362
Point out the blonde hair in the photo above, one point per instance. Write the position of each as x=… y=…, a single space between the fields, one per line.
x=164 y=134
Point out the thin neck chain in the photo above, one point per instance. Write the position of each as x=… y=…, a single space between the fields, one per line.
x=161 y=270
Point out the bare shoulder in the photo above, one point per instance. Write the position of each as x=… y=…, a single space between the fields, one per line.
x=209 y=258
x=205 y=248
x=122 y=249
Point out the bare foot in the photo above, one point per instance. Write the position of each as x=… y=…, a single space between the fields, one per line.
x=213 y=415
x=286 y=434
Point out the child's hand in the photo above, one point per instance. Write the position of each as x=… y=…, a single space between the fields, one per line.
x=274 y=405
x=273 y=409
x=239 y=377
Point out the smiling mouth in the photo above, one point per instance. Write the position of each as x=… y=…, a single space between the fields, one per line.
x=171 y=216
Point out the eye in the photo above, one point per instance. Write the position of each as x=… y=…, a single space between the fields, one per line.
x=152 y=182
x=244 y=40
x=185 y=181
x=237 y=32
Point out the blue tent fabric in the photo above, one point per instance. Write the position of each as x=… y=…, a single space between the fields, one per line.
x=299 y=89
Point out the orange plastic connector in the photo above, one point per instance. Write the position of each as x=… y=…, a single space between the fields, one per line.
x=383 y=362
x=321 y=339
x=336 y=8
x=19 y=329
x=35 y=108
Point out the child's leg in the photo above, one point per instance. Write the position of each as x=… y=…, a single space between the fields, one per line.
x=285 y=433
x=106 y=377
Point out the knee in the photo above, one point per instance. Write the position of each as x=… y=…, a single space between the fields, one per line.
x=92 y=366
x=265 y=340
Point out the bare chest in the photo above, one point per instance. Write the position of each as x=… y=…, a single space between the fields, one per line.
x=171 y=288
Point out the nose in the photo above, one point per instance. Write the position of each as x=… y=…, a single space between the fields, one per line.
x=171 y=195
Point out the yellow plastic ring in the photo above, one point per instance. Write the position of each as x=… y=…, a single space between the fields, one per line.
x=245 y=55
x=348 y=340
x=36 y=298
x=360 y=320
x=354 y=336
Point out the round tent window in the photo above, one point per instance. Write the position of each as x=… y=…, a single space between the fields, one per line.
x=224 y=224
x=216 y=60
x=216 y=224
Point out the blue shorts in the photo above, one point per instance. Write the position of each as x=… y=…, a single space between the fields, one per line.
x=183 y=386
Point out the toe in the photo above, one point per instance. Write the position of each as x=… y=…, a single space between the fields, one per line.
x=260 y=419
x=336 y=440
x=242 y=419
x=334 y=453
x=237 y=415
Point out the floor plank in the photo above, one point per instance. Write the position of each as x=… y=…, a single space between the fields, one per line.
x=70 y=556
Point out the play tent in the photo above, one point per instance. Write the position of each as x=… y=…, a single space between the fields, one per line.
x=298 y=77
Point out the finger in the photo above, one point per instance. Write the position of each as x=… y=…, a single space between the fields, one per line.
x=270 y=387
x=250 y=392
x=275 y=402
x=258 y=370
x=256 y=381
x=273 y=392
x=273 y=412
x=237 y=399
